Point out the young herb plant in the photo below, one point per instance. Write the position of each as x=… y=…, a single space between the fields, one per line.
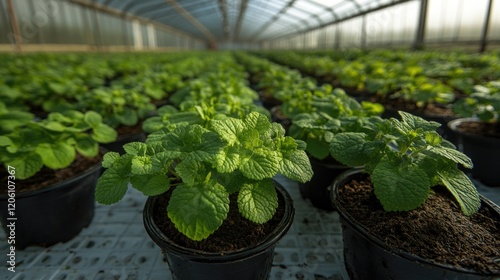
x=405 y=160
x=484 y=103
x=54 y=142
x=232 y=155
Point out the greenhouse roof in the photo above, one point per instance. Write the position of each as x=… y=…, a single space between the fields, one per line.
x=244 y=20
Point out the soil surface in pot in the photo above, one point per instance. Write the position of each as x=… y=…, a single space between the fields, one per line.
x=480 y=128
x=411 y=107
x=126 y=130
x=437 y=230
x=46 y=176
x=235 y=233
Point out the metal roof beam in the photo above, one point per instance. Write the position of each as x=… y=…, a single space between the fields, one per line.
x=241 y=14
x=223 y=11
x=192 y=20
x=273 y=19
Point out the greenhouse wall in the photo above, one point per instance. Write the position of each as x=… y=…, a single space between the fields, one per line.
x=60 y=25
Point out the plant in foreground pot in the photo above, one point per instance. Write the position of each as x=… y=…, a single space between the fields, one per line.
x=395 y=213
x=479 y=130
x=196 y=176
x=51 y=167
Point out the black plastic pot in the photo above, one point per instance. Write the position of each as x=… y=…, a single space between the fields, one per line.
x=53 y=214
x=368 y=257
x=483 y=151
x=121 y=140
x=317 y=189
x=247 y=264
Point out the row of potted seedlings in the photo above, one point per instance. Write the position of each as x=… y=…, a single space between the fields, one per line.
x=211 y=154
x=388 y=231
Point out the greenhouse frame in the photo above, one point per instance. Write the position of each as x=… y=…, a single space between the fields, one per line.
x=250 y=139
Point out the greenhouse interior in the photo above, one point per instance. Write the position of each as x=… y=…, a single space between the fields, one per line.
x=250 y=139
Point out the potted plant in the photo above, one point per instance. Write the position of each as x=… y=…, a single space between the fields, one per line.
x=412 y=213
x=319 y=119
x=479 y=130
x=213 y=203
x=51 y=167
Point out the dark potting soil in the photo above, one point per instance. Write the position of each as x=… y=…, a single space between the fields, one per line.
x=411 y=107
x=235 y=233
x=437 y=230
x=127 y=130
x=46 y=176
x=480 y=128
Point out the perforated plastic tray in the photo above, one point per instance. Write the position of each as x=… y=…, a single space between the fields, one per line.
x=116 y=246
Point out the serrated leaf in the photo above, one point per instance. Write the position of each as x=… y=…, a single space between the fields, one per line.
x=194 y=142
x=260 y=165
x=142 y=165
x=317 y=148
x=109 y=158
x=400 y=186
x=227 y=160
x=462 y=189
x=415 y=122
x=86 y=146
x=231 y=181
x=191 y=171
x=258 y=202
x=296 y=166
x=257 y=121
x=198 y=211
x=453 y=155
x=26 y=165
x=112 y=185
x=161 y=162
x=128 y=117
x=228 y=129
x=103 y=133
x=92 y=118
x=348 y=148
x=56 y=155
x=150 y=185
x=136 y=148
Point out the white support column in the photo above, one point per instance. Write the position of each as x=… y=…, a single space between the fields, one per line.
x=137 y=33
x=152 y=37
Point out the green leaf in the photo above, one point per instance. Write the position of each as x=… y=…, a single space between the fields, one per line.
x=142 y=165
x=258 y=202
x=103 y=133
x=258 y=121
x=56 y=155
x=198 y=211
x=348 y=148
x=452 y=154
x=112 y=185
x=415 y=122
x=400 y=186
x=227 y=160
x=296 y=166
x=92 y=118
x=128 y=117
x=191 y=171
x=151 y=185
x=5 y=141
x=317 y=148
x=86 y=146
x=260 y=165
x=135 y=148
x=462 y=189
x=109 y=159
x=26 y=165
x=229 y=129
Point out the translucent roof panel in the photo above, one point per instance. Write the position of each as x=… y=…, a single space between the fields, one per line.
x=245 y=20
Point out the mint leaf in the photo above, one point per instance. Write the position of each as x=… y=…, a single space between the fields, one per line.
x=229 y=129
x=151 y=185
x=142 y=165
x=227 y=160
x=191 y=171
x=260 y=165
x=109 y=158
x=258 y=202
x=415 y=122
x=317 y=148
x=26 y=165
x=56 y=155
x=348 y=148
x=198 y=211
x=103 y=133
x=453 y=155
x=258 y=121
x=86 y=146
x=92 y=118
x=296 y=166
x=135 y=148
x=462 y=189
x=400 y=186
x=112 y=185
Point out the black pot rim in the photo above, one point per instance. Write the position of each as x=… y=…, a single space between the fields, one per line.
x=59 y=185
x=453 y=125
x=347 y=218
x=197 y=255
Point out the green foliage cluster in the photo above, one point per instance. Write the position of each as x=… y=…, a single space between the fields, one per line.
x=53 y=142
x=206 y=165
x=483 y=103
x=405 y=159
